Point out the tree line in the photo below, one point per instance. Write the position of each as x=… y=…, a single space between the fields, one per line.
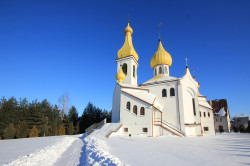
x=22 y=119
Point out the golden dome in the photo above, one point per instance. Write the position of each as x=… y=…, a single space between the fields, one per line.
x=120 y=76
x=127 y=48
x=160 y=57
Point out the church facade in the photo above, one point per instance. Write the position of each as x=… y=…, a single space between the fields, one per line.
x=163 y=105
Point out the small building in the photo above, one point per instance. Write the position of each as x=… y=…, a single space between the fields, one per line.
x=240 y=120
x=221 y=114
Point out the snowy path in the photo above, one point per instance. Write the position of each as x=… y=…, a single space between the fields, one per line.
x=46 y=156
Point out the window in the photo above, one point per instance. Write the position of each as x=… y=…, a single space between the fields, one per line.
x=124 y=68
x=208 y=114
x=172 y=93
x=206 y=129
x=144 y=130
x=166 y=70
x=220 y=119
x=155 y=72
x=134 y=71
x=128 y=105
x=135 y=110
x=160 y=70
x=204 y=113
x=164 y=93
x=142 y=111
x=125 y=130
x=194 y=107
x=200 y=114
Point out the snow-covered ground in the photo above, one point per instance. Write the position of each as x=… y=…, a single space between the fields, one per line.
x=225 y=149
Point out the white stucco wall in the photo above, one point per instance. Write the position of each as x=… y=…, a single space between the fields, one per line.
x=116 y=104
x=170 y=111
x=134 y=122
x=207 y=121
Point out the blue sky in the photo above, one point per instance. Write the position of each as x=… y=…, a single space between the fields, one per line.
x=49 y=48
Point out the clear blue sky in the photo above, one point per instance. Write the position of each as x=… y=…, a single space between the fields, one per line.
x=48 y=48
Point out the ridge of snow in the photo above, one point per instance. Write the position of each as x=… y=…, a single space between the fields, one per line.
x=97 y=153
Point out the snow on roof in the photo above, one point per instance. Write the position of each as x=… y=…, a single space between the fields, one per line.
x=241 y=116
x=161 y=77
x=141 y=94
x=204 y=103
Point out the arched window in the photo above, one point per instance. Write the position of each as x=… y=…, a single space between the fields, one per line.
x=160 y=70
x=204 y=113
x=200 y=114
x=128 y=105
x=208 y=114
x=155 y=72
x=124 y=68
x=135 y=110
x=172 y=93
x=134 y=71
x=142 y=111
x=164 y=93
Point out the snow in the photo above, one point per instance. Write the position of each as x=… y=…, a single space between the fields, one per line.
x=141 y=94
x=222 y=112
x=96 y=149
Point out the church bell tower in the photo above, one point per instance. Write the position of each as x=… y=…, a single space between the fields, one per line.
x=127 y=60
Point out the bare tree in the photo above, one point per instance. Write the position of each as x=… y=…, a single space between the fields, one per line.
x=63 y=101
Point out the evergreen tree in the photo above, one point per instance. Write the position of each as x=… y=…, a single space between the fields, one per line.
x=248 y=127
x=44 y=130
x=22 y=129
x=62 y=130
x=77 y=130
x=10 y=132
x=242 y=128
x=33 y=132
x=54 y=129
x=73 y=115
x=71 y=129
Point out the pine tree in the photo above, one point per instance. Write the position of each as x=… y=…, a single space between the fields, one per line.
x=73 y=115
x=62 y=130
x=22 y=129
x=71 y=129
x=44 y=130
x=10 y=132
x=33 y=132
x=77 y=131
x=54 y=129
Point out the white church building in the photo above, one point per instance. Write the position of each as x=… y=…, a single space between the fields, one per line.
x=163 y=105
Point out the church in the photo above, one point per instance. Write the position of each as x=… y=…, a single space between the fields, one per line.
x=164 y=105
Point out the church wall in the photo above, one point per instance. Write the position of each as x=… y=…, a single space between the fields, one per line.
x=116 y=104
x=170 y=111
x=207 y=121
x=135 y=123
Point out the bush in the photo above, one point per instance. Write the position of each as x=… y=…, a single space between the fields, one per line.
x=62 y=130
x=10 y=132
x=33 y=132
x=221 y=129
x=22 y=129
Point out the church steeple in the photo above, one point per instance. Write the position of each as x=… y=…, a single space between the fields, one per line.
x=127 y=48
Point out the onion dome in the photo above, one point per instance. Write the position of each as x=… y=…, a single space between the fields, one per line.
x=161 y=57
x=127 y=48
x=120 y=76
